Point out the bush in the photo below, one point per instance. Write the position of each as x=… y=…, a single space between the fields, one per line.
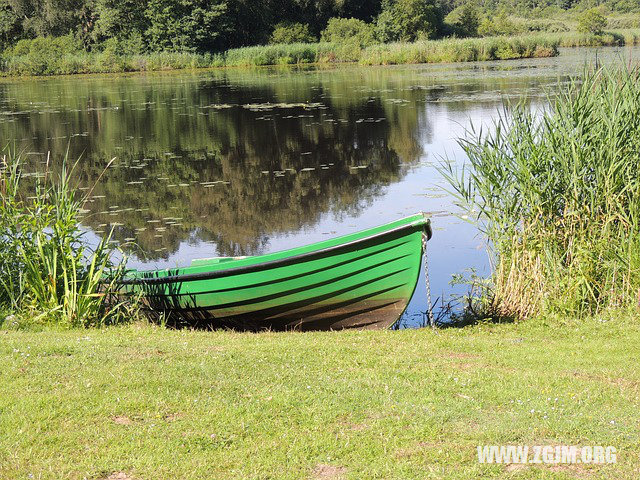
x=42 y=55
x=408 y=20
x=628 y=21
x=546 y=26
x=291 y=33
x=592 y=21
x=498 y=26
x=464 y=20
x=349 y=30
x=124 y=46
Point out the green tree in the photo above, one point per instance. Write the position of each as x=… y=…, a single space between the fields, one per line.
x=291 y=33
x=409 y=20
x=349 y=30
x=499 y=25
x=119 y=18
x=592 y=21
x=53 y=17
x=465 y=20
x=255 y=20
x=365 y=10
x=10 y=25
x=186 y=25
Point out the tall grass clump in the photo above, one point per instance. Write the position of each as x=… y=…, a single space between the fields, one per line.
x=278 y=54
x=49 y=272
x=557 y=193
x=618 y=37
x=461 y=50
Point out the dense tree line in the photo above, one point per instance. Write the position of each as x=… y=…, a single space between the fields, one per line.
x=200 y=26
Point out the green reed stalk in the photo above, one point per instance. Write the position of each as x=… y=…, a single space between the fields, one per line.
x=49 y=272
x=557 y=194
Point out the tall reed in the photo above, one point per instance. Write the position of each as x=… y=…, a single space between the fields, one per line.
x=461 y=50
x=557 y=193
x=49 y=272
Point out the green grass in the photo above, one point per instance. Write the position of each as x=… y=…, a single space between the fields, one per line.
x=156 y=404
x=85 y=62
x=292 y=54
x=37 y=63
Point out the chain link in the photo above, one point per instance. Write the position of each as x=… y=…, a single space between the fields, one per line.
x=427 y=282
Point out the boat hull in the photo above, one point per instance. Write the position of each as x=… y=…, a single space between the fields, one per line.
x=363 y=280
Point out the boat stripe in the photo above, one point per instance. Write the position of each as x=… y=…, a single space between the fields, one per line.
x=333 y=306
x=280 y=309
x=315 y=323
x=161 y=292
x=273 y=296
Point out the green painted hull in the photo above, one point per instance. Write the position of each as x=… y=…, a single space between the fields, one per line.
x=360 y=280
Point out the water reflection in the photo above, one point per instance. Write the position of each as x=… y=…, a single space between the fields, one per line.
x=210 y=158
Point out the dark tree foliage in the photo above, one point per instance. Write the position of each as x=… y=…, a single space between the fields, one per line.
x=10 y=25
x=186 y=25
x=53 y=17
x=214 y=25
x=410 y=20
x=119 y=18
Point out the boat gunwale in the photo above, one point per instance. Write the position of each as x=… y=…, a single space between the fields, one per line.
x=424 y=223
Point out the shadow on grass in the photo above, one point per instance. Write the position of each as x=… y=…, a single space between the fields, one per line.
x=459 y=312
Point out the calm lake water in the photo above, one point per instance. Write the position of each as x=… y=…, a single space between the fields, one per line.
x=243 y=162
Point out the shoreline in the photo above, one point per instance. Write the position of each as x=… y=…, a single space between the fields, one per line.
x=442 y=51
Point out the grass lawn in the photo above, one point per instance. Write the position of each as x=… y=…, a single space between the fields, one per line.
x=141 y=402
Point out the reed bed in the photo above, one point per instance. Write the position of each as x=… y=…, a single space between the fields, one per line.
x=557 y=194
x=50 y=273
x=55 y=62
x=461 y=50
x=450 y=50
x=612 y=38
x=432 y=51
x=104 y=62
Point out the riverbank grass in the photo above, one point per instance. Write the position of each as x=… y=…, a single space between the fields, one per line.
x=557 y=194
x=151 y=403
x=53 y=56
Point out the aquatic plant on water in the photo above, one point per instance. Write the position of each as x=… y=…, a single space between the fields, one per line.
x=49 y=271
x=557 y=194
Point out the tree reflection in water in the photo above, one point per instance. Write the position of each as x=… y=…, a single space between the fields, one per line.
x=226 y=157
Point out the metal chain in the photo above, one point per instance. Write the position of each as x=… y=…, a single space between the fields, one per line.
x=427 y=283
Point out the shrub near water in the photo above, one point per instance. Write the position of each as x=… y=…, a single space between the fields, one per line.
x=49 y=272
x=294 y=53
x=291 y=33
x=43 y=56
x=460 y=50
x=349 y=30
x=558 y=196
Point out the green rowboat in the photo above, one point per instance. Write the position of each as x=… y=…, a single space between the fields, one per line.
x=360 y=280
